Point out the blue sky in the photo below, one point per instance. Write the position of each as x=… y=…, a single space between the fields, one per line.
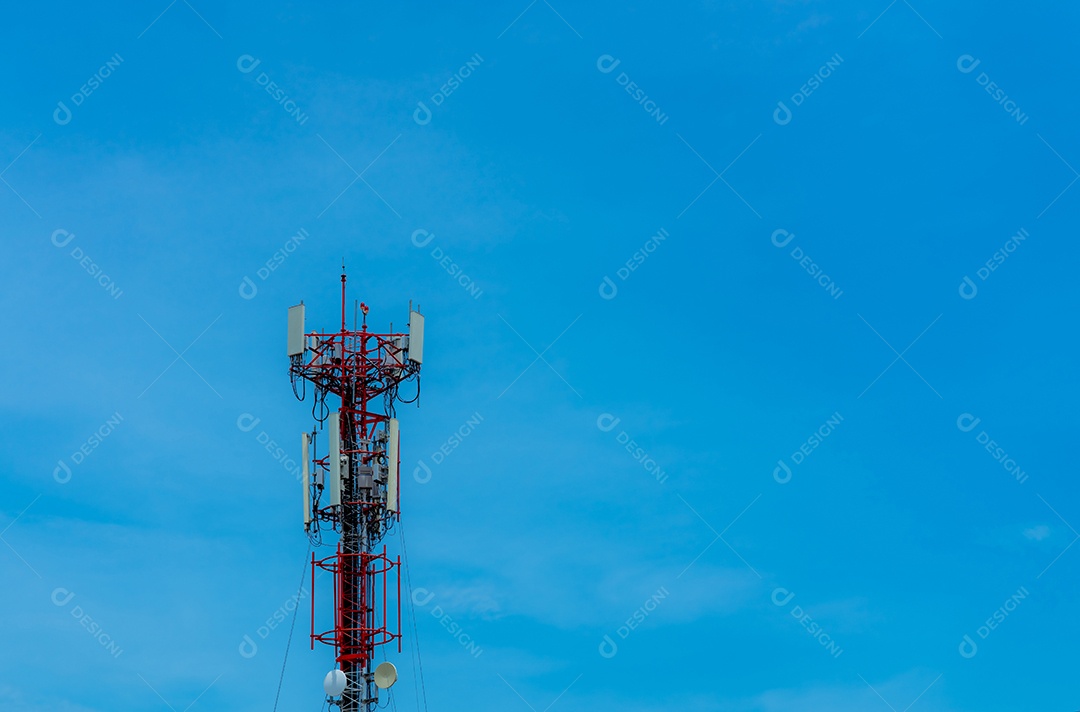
x=851 y=483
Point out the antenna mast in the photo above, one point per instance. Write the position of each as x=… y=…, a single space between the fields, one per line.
x=351 y=487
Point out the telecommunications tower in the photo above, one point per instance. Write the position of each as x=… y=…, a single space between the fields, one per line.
x=351 y=463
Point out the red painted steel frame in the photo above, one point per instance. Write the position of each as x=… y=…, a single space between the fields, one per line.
x=375 y=568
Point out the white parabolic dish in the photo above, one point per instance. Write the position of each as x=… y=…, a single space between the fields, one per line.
x=385 y=675
x=334 y=683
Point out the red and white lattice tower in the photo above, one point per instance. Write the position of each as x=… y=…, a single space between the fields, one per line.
x=351 y=463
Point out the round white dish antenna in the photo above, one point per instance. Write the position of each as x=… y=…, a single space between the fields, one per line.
x=385 y=675
x=334 y=683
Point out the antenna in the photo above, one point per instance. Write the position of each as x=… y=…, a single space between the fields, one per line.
x=385 y=675
x=392 y=466
x=351 y=487
x=334 y=683
x=305 y=444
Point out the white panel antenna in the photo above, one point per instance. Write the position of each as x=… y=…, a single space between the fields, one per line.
x=305 y=457
x=394 y=356
x=392 y=467
x=295 y=341
x=333 y=425
x=416 y=336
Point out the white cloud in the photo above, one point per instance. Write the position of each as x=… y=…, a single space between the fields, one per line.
x=1037 y=533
